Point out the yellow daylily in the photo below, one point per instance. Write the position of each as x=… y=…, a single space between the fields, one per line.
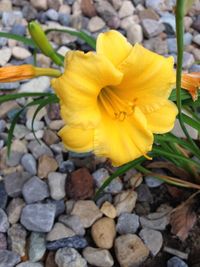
x=191 y=82
x=112 y=101
x=23 y=72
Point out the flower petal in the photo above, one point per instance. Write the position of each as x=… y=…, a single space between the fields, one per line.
x=123 y=141
x=85 y=75
x=146 y=73
x=114 y=46
x=162 y=120
x=77 y=139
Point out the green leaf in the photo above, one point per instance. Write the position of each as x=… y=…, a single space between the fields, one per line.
x=19 y=38
x=80 y=34
x=192 y=122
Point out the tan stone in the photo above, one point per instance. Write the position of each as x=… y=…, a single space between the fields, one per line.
x=109 y=210
x=59 y=231
x=46 y=164
x=125 y=201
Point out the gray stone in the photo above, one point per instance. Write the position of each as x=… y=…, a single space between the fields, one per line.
x=30 y=264
x=38 y=217
x=9 y=86
x=144 y=194
x=96 y=24
x=40 y=84
x=127 y=223
x=20 y=131
x=153 y=240
x=169 y=19
x=29 y=12
x=29 y=163
x=152 y=182
x=18 y=29
x=64 y=19
x=187 y=38
x=152 y=27
x=5 y=55
x=4 y=224
x=37 y=246
x=56 y=183
x=69 y=257
x=35 y=190
x=73 y=222
x=156 y=221
x=76 y=241
x=160 y=5
x=52 y=14
x=59 y=204
x=14 y=209
x=176 y=262
x=188 y=60
x=195 y=68
x=3 y=195
x=8 y=258
x=3 y=241
x=17 y=239
x=39 y=149
x=10 y=18
x=59 y=231
x=172 y=46
x=3 y=41
x=134 y=33
x=14 y=183
x=126 y=9
x=2 y=126
x=14 y=159
x=98 y=257
x=66 y=166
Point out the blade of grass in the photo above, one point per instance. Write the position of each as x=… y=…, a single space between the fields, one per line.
x=19 y=38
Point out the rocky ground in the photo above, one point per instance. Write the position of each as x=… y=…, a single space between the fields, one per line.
x=47 y=213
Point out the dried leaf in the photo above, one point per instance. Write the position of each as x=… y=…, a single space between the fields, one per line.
x=183 y=218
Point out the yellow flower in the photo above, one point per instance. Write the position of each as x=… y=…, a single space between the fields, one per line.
x=112 y=101
x=191 y=82
x=23 y=72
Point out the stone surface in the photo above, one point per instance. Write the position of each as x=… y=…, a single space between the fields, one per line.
x=109 y=210
x=14 y=209
x=103 y=232
x=79 y=184
x=35 y=190
x=156 y=221
x=3 y=241
x=3 y=195
x=30 y=264
x=59 y=231
x=29 y=163
x=37 y=246
x=56 y=183
x=127 y=223
x=152 y=27
x=8 y=258
x=125 y=201
x=69 y=257
x=153 y=240
x=134 y=33
x=40 y=84
x=98 y=257
x=152 y=182
x=4 y=224
x=38 y=217
x=39 y=4
x=75 y=241
x=95 y=24
x=176 y=262
x=20 y=53
x=5 y=55
x=46 y=164
x=14 y=159
x=73 y=222
x=126 y=9
x=130 y=250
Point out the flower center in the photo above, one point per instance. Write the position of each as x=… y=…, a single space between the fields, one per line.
x=116 y=107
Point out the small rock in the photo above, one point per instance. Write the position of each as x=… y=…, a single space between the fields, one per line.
x=87 y=8
x=38 y=217
x=29 y=163
x=17 y=237
x=130 y=250
x=59 y=231
x=56 y=183
x=50 y=137
x=73 y=222
x=96 y=24
x=39 y=4
x=52 y=14
x=8 y=258
x=14 y=209
x=20 y=53
x=153 y=240
x=127 y=223
x=196 y=24
x=37 y=246
x=10 y=86
x=38 y=125
x=3 y=242
x=4 y=224
x=10 y=18
x=14 y=159
x=75 y=241
x=144 y=194
x=134 y=34
x=156 y=221
x=152 y=182
x=35 y=190
x=66 y=166
x=3 y=195
x=50 y=260
x=87 y=211
x=103 y=232
x=98 y=257
x=46 y=164
x=148 y=13
x=126 y=22
x=126 y=9
x=152 y=27
x=188 y=60
x=169 y=19
x=176 y=262
x=125 y=201
x=69 y=257
x=18 y=29
x=109 y=210
x=54 y=4
x=79 y=184
x=39 y=149
x=30 y=264
x=29 y=12
x=5 y=55
x=5 y=6
x=40 y=84
x=160 y=5
x=2 y=125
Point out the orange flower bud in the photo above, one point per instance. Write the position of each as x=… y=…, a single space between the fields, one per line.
x=191 y=82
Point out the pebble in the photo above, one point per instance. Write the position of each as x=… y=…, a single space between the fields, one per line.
x=59 y=204
x=126 y=9
x=14 y=159
x=144 y=194
x=14 y=183
x=64 y=19
x=30 y=264
x=3 y=195
x=38 y=125
x=20 y=53
x=14 y=209
x=46 y=165
x=36 y=85
x=56 y=183
x=39 y=4
x=152 y=182
x=5 y=55
x=125 y=201
x=17 y=239
x=188 y=60
x=130 y=250
x=52 y=14
x=75 y=241
x=73 y=222
x=9 y=18
x=131 y=20
x=134 y=33
x=59 y=231
x=3 y=242
x=103 y=232
x=2 y=125
x=152 y=27
x=176 y=262
x=50 y=137
x=127 y=223
x=69 y=257
x=35 y=190
x=109 y=210
x=196 y=39
x=18 y=29
x=50 y=260
x=96 y=24
x=37 y=246
x=38 y=217
x=29 y=12
x=4 y=224
x=169 y=19
x=66 y=166
x=79 y=184
x=100 y=177
x=8 y=258
x=153 y=240
x=87 y=211
x=156 y=221
x=10 y=86
x=98 y=257
x=39 y=149
x=29 y=163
